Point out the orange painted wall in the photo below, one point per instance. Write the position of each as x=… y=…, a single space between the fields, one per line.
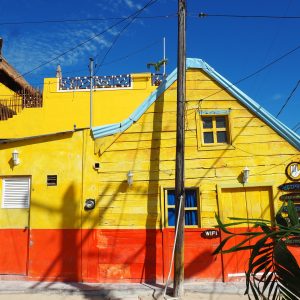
x=108 y=255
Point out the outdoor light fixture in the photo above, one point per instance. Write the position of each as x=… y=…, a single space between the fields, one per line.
x=246 y=173
x=129 y=178
x=15 y=157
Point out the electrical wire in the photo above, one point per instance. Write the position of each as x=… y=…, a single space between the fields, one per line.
x=256 y=72
x=288 y=98
x=133 y=17
x=108 y=63
x=89 y=39
x=85 y=20
x=130 y=54
x=242 y=79
x=172 y=15
x=271 y=48
x=297 y=125
x=203 y=15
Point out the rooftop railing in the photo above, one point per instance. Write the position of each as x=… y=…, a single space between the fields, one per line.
x=99 y=82
x=24 y=99
x=157 y=79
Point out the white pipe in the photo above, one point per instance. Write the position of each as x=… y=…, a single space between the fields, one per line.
x=173 y=253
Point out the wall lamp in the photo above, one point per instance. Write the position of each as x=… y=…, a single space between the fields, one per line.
x=246 y=173
x=129 y=178
x=15 y=157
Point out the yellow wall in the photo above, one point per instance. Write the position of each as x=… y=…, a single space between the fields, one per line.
x=5 y=92
x=51 y=206
x=147 y=148
x=62 y=110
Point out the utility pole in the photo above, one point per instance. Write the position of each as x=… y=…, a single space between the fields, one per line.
x=179 y=174
x=164 y=57
x=91 y=67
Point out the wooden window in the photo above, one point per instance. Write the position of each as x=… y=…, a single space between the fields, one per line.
x=16 y=192
x=191 y=207
x=213 y=128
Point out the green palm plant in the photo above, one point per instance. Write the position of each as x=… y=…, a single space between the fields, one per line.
x=273 y=272
x=157 y=65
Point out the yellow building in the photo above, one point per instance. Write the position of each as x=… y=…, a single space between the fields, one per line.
x=97 y=204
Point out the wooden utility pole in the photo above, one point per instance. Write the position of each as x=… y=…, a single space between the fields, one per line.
x=179 y=174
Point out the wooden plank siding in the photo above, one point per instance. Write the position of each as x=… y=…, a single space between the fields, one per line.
x=147 y=148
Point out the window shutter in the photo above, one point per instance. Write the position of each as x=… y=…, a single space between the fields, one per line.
x=16 y=192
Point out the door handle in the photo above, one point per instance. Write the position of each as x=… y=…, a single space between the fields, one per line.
x=25 y=228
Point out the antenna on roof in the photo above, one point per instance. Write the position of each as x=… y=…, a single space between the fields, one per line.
x=58 y=72
x=161 y=63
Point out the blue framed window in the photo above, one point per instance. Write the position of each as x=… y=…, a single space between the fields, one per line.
x=190 y=208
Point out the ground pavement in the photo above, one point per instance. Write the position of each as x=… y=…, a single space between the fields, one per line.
x=30 y=290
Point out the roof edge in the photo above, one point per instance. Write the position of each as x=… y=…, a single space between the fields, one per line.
x=196 y=63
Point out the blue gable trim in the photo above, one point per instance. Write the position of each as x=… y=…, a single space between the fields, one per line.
x=194 y=63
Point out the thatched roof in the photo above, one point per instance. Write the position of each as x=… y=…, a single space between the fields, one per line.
x=10 y=76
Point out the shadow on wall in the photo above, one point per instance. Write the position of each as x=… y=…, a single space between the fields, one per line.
x=60 y=247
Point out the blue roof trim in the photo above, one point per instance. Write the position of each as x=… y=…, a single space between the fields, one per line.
x=195 y=63
x=110 y=129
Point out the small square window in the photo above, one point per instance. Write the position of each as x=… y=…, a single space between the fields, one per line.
x=191 y=207
x=214 y=129
x=221 y=122
x=208 y=137
x=51 y=180
x=222 y=137
x=207 y=122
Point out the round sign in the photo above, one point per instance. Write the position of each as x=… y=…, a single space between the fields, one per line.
x=292 y=171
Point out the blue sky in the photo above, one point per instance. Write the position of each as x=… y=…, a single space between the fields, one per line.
x=233 y=47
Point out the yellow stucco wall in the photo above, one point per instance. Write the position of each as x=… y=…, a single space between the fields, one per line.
x=5 y=92
x=147 y=148
x=62 y=110
x=50 y=206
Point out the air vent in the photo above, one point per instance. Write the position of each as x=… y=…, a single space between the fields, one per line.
x=51 y=180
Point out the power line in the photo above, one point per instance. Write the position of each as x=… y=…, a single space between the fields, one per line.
x=298 y=124
x=134 y=16
x=105 y=64
x=203 y=15
x=88 y=40
x=258 y=71
x=132 y=53
x=288 y=98
x=85 y=20
x=173 y=15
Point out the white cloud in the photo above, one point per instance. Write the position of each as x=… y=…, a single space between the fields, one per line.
x=131 y=4
x=119 y=5
x=28 y=50
x=277 y=97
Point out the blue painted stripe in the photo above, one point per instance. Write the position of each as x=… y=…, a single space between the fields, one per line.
x=194 y=63
x=214 y=112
